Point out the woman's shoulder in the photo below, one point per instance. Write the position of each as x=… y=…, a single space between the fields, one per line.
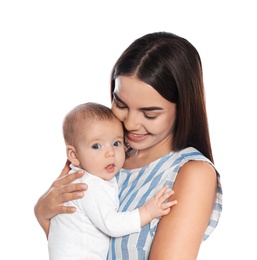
x=190 y=153
x=178 y=158
x=190 y=159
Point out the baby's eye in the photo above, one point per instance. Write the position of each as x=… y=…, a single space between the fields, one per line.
x=96 y=146
x=117 y=143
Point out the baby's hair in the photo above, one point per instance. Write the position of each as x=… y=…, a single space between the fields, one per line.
x=82 y=113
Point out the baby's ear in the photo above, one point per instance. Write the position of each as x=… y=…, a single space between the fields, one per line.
x=71 y=155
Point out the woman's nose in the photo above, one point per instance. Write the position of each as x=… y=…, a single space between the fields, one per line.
x=131 y=121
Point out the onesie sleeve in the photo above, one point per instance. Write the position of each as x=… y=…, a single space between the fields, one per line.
x=100 y=203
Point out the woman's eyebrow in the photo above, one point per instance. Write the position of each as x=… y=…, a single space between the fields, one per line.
x=150 y=108
x=142 y=108
x=117 y=97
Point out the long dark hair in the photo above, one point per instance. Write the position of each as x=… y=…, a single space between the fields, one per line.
x=172 y=66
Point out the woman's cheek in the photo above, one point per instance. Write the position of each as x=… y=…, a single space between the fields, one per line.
x=118 y=113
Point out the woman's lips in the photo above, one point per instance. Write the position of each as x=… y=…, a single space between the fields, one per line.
x=136 y=137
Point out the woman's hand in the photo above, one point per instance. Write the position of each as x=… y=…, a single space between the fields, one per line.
x=51 y=203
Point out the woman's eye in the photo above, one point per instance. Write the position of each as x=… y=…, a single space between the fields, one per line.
x=117 y=143
x=119 y=104
x=149 y=117
x=96 y=146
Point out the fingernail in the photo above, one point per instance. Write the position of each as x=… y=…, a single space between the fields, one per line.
x=80 y=194
x=83 y=186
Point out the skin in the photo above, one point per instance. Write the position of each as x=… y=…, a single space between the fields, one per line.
x=100 y=150
x=179 y=233
x=149 y=123
x=102 y=143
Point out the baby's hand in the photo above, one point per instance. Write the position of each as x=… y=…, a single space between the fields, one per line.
x=159 y=206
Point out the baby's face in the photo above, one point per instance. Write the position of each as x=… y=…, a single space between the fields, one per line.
x=101 y=149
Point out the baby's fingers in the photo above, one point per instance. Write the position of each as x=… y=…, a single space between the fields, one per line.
x=161 y=192
x=165 y=196
x=169 y=204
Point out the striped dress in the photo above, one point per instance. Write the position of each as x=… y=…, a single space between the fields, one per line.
x=138 y=185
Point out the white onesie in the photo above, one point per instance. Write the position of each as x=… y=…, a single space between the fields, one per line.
x=86 y=233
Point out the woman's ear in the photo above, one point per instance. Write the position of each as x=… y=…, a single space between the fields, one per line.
x=71 y=155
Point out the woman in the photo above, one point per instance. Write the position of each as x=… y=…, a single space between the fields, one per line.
x=158 y=93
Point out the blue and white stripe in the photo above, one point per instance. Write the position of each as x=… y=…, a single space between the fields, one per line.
x=138 y=185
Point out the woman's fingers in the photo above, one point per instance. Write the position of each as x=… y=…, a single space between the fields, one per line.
x=70 y=192
x=65 y=179
x=63 y=190
x=67 y=193
x=65 y=169
x=66 y=209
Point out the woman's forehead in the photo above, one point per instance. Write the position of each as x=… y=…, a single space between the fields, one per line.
x=125 y=85
x=133 y=91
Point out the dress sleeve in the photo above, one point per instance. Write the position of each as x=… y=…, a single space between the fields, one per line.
x=100 y=204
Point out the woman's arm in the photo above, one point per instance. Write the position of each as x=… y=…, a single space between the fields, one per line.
x=179 y=234
x=62 y=190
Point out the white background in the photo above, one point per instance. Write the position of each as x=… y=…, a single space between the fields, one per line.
x=57 y=54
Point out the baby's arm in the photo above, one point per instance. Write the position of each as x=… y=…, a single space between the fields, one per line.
x=156 y=206
x=99 y=204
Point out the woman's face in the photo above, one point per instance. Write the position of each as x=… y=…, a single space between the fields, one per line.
x=147 y=116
